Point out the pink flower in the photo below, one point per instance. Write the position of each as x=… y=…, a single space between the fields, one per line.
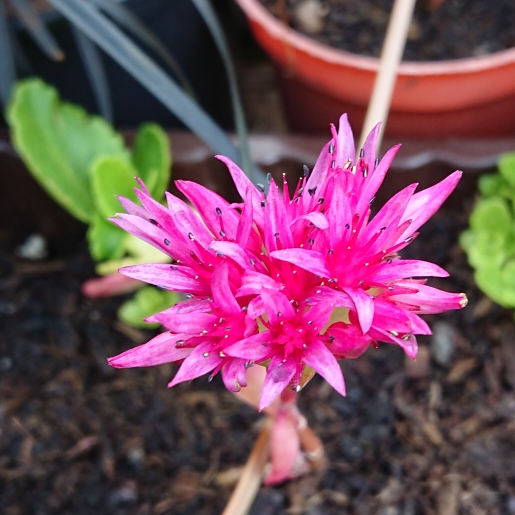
x=293 y=283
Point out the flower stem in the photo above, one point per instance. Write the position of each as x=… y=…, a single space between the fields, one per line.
x=312 y=446
x=250 y=480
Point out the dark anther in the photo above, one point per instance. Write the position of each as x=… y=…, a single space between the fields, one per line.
x=330 y=251
x=167 y=242
x=333 y=164
x=269 y=177
x=331 y=338
x=361 y=153
x=376 y=162
x=190 y=236
x=260 y=187
x=331 y=148
x=276 y=235
x=389 y=261
x=222 y=233
x=365 y=173
x=347 y=226
x=312 y=190
x=252 y=261
x=218 y=211
x=321 y=200
x=408 y=239
x=263 y=203
x=305 y=170
x=371 y=201
x=311 y=241
x=152 y=221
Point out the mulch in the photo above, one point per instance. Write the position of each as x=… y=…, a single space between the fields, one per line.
x=435 y=436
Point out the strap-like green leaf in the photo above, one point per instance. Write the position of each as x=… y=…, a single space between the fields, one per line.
x=59 y=142
x=7 y=71
x=152 y=158
x=37 y=29
x=95 y=70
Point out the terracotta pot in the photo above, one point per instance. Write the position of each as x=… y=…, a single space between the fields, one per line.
x=472 y=97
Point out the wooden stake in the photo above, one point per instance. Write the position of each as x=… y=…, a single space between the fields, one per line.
x=391 y=56
x=248 y=486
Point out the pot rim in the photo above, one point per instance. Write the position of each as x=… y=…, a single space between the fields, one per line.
x=259 y=14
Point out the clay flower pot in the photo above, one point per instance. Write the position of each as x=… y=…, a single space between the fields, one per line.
x=472 y=97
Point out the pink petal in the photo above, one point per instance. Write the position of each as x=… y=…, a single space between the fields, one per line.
x=254 y=282
x=424 y=204
x=201 y=361
x=248 y=192
x=405 y=268
x=349 y=340
x=364 y=306
x=233 y=375
x=319 y=220
x=221 y=290
x=320 y=359
x=244 y=228
x=319 y=314
x=279 y=374
x=170 y=277
x=277 y=306
x=253 y=348
x=193 y=323
x=159 y=350
x=187 y=306
x=145 y=231
x=206 y=202
x=370 y=148
x=309 y=260
x=233 y=251
x=375 y=179
x=431 y=300
x=346 y=148
x=277 y=225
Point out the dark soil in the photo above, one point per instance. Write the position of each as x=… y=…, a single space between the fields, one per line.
x=435 y=436
x=456 y=29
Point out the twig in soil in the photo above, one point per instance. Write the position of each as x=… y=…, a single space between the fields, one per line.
x=252 y=474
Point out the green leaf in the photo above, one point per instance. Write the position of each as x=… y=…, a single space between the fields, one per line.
x=491 y=215
x=146 y=302
x=111 y=176
x=489 y=280
x=59 y=142
x=106 y=240
x=507 y=167
x=491 y=185
x=152 y=159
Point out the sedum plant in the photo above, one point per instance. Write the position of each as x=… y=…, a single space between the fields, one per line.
x=281 y=287
x=83 y=165
x=490 y=239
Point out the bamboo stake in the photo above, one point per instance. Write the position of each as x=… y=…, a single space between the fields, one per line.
x=250 y=480
x=391 y=56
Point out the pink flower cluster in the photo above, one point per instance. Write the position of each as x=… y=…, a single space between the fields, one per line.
x=294 y=283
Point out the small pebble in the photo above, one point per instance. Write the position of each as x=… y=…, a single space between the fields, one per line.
x=442 y=342
x=34 y=248
x=418 y=368
x=309 y=16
